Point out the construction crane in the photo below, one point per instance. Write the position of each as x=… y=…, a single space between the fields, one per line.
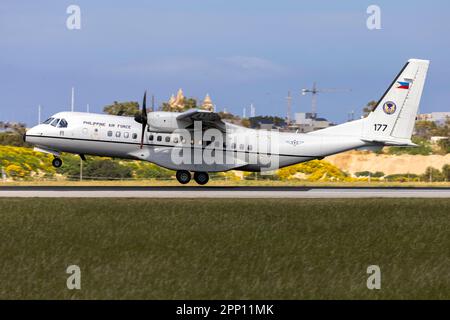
x=314 y=91
x=289 y=107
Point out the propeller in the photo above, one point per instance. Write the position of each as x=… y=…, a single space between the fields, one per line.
x=142 y=118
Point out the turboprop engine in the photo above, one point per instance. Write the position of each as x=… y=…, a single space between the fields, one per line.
x=164 y=121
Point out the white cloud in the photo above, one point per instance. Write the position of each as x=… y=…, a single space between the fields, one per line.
x=252 y=64
x=235 y=68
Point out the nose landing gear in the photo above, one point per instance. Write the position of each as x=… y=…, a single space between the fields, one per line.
x=57 y=162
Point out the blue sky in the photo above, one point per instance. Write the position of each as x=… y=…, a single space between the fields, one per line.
x=240 y=52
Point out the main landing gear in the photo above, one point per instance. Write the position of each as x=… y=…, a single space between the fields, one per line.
x=201 y=177
x=184 y=176
x=57 y=162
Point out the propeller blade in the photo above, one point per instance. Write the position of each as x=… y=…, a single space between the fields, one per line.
x=142 y=135
x=144 y=118
x=144 y=106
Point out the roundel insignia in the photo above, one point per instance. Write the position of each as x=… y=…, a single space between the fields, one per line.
x=389 y=107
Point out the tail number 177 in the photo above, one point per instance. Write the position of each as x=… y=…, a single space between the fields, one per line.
x=380 y=127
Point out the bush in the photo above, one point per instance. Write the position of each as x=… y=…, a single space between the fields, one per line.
x=313 y=170
x=402 y=177
x=377 y=174
x=12 y=139
x=106 y=169
x=423 y=148
x=444 y=145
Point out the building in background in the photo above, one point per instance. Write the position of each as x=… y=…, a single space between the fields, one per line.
x=179 y=103
x=207 y=103
x=439 y=117
x=307 y=122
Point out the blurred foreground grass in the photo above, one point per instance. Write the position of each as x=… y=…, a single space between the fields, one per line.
x=228 y=183
x=224 y=248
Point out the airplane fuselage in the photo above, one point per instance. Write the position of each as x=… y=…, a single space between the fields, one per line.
x=200 y=141
x=119 y=137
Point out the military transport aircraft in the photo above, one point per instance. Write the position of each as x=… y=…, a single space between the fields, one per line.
x=200 y=141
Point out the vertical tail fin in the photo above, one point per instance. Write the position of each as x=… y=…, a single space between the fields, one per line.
x=395 y=113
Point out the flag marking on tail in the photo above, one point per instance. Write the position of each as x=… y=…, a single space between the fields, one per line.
x=403 y=84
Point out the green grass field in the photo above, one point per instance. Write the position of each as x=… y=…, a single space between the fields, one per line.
x=228 y=183
x=224 y=249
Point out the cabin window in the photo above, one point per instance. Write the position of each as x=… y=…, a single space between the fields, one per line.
x=54 y=122
x=241 y=146
x=62 y=123
x=96 y=130
x=134 y=136
x=224 y=145
x=175 y=139
x=109 y=133
x=126 y=135
x=233 y=145
x=159 y=138
x=150 y=137
x=118 y=134
x=48 y=121
x=249 y=148
x=167 y=139
x=182 y=139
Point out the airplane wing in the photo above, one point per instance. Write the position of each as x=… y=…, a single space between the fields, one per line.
x=209 y=119
x=199 y=115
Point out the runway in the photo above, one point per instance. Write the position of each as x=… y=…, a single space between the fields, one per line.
x=221 y=192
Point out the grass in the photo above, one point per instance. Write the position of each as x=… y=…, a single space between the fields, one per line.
x=224 y=248
x=231 y=183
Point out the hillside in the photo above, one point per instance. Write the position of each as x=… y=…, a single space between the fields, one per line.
x=358 y=161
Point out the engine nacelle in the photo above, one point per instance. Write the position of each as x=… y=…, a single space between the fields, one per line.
x=164 y=121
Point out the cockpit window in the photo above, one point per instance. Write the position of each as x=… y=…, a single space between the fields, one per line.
x=48 y=120
x=54 y=122
x=62 y=123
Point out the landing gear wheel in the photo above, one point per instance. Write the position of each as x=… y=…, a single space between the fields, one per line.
x=201 y=177
x=57 y=162
x=183 y=176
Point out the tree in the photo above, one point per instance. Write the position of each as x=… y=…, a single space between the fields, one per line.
x=444 y=144
x=245 y=123
x=190 y=103
x=369 y=107
x=228 y=116
x=432 y=175
x=165 y=106
x=12 y=139
x=425 y=129
x=186 y=104
x=446 y=172
x=128 y=108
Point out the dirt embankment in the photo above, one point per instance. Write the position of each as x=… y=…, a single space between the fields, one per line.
x=357 y=161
